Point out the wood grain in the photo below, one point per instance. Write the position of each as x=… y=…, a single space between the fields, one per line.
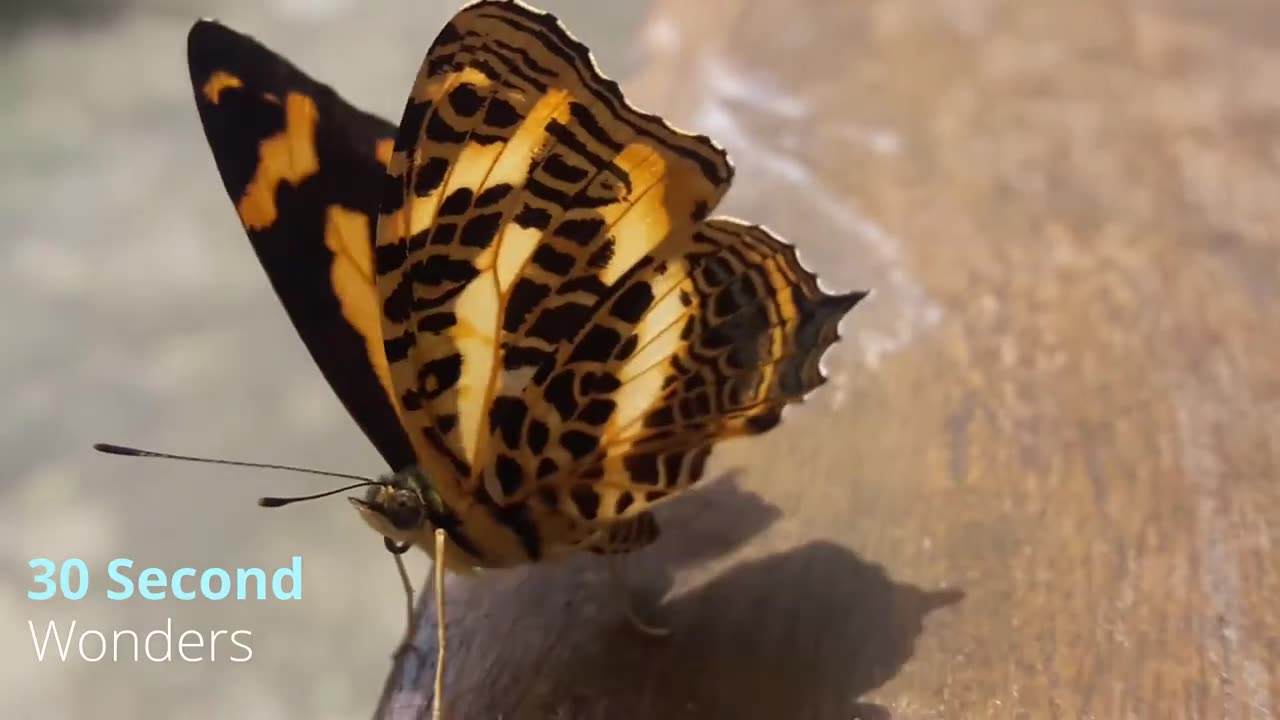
x=1043 y=480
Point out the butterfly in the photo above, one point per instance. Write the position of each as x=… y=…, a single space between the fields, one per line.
x=519 y=292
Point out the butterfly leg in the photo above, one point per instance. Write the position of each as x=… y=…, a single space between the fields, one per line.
x=397 y=551
x=617 y=574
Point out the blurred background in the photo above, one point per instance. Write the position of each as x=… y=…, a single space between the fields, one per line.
x=1063 y=398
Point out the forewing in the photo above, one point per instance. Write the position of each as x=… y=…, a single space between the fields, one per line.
x=303 y=169
x=708 y=338
x=523 y=188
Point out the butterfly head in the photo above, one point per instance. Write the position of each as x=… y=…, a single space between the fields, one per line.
x=400 y=505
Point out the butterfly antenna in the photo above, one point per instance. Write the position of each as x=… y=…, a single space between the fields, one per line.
x=135 y=452
x=264 y=502
x=281 y=502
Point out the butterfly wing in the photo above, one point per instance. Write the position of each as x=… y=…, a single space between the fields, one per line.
x=521 y=187
x=303 y=169
x=567 y=333
x=708 y=339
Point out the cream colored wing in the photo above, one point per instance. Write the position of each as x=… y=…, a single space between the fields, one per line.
x=521 y=189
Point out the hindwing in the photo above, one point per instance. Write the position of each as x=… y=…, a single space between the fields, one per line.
x=707 y=339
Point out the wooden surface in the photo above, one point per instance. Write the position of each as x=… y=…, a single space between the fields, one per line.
x=1043 y=480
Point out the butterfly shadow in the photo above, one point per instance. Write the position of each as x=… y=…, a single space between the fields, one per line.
x=803 y=632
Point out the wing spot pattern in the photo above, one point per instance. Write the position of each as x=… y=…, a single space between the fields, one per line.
x=288 y=156
x=218 y=81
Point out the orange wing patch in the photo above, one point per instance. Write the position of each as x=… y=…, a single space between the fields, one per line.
x=382 y=149
x=288 y=156
x=217 y=82
x=346 y=234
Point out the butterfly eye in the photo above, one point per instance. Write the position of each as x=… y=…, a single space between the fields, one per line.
x=404 y=511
